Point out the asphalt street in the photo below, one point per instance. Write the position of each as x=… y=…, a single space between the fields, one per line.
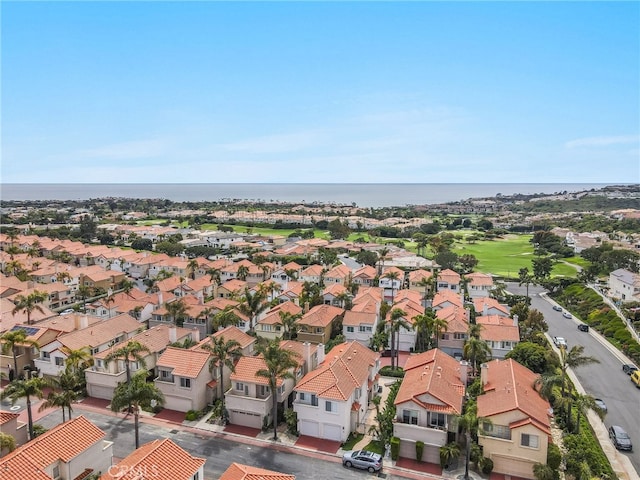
x=604 y=380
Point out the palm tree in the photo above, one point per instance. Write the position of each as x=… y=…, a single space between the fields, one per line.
x=525 y=278
x=253 y=304
x=77 y=360
x=440 y=326
x=584 y=403
x=132 y=351
x=477 y=351
x=84 y=292
x=127 y=286
x=223 y=353
x=14 y=339
x=64 y=394
x=382 y=255
x=178 y=311
x=395 y=317
x=225 y=318
x=25 y=389
x=7 y=442
x=29 y=303
x=289 y=325
x=423 y=325
x=214 y=275
x=192 y=266
x=109 y=300
x=572 y=359
x=242 y=273
x=137 y=394
x=469 y=423
x=278 y=362
x=392 y=276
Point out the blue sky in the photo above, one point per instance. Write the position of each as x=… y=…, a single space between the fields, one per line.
x=143 y=92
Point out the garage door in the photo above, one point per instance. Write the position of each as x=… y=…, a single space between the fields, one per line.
x=246 y=419
x=99 y=391
x=512 y=466
x=332 y=432
x=309 y=428
x=430 y=454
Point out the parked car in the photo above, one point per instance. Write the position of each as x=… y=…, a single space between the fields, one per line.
x=67 y=311
x=566 y=315
x=620 y=438
x=557 y=308
x=363 y=459
x=629 y=368
x=560 y=342
x=583 y=327
x=600 y=404
x=635 y=378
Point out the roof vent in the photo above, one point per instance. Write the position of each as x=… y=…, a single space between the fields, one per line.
x=348 y=358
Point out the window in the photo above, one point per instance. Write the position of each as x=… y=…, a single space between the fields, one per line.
x=357 y=393
x=99 y=363
x=444 y=336
x=350 y=329
x=365 y=328
x=410 y=417
x=527 y=440
x=185 y=382
x=330 y=406
x=196 y=476
x=505 y=344
x=314 y=400
x=436 y=420
x=59 y=361
x=45 y=355
x=166 y=376
x=302 y=396
x=95 y=350
x=239 y=386
x=496 y=431
x=319 y=330
x=459 y=336
x=56 y=472
x=278 y=328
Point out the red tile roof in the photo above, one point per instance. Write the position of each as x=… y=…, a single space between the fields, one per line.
x=184 y=363
x=160 y=459
x=237 y=471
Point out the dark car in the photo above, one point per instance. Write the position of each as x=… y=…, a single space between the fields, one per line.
x=557 y=308
x=600 y=404
x=363 y=459
x=620 y=438
x=629 y=368
x=583 y=327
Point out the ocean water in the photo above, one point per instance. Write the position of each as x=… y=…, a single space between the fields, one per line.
x=363 y=195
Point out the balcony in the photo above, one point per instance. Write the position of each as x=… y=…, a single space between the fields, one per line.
x=430 y=436
x=235 y=400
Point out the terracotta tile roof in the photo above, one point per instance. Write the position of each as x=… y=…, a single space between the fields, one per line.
x=479 y=279
x=366 y=272
x=229 y=333
x=432 y=374
x=416 y=276
x=311 y=271
x=237 y=471
x=6 y=417
x=444 y=296
x=288 y=306
x=340 y=271
x=449 y=276
x=320 y=316
x=497 y=333
x=456 y=318
x=509 y=387
x=19 y=467
x=299 y=349
x=62 y=443
x=184 y=363
x=415 y=297
x=479 y=304
x=354 y=319
x=155 y=339
x=100 y=332
x=334 y=289
x=246 y=369
x=345 y=368
x=234 y=285
x=162 y=459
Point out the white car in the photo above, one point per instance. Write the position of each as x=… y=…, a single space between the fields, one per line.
x=560 y=342
x=67 y=311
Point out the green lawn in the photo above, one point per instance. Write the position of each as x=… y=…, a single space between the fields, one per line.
x=581 y=262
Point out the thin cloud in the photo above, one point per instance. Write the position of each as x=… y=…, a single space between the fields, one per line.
x=126 y=150
x=604 y=141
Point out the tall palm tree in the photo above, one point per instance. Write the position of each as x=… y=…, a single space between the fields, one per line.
x=392 y=276
x=423 y=325
x=12 y=340
x=242 y=273
x=77 y=359
x=137 y=394
x=25 y=389
x=223 y=353
x=178 y=311
x=382 y=255
x=469 y=423
x=278 y=362
x=525 y=278
x=289 y=324
x=572 y=358
x=84 y=292
x=29 y=303
x=477 y=351
x=214 y=275
x=395 y=317
x=252 y=305
x=64 y=393
x=440 y=326
x=130 y=352
x=126 y=286
x=192 y=266
x=583 y=404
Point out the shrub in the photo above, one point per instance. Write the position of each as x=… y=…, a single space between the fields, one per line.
x=192 y=415
x=554 y=456
x=419 y=450
x=395 y=448
x=486 y=465
x=292 y=421
x=448 y=452
x=389 y=372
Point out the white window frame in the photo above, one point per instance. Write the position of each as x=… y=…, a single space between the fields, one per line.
x=330 y=406
x=533 y=441
x=185 y=382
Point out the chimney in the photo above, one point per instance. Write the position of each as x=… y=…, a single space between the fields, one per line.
x=306 y=347
x=305 y=309
x=84 y=321
x=484 y=371
x=464 y=372
x=515 y=320
x=160 y=299
x=200 y=298
x=485 y=310
x=195 y=335
x=320 y=353
x=173 y=335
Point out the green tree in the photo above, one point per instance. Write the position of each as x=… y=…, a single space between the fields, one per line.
x=64 y=393
x=525 y=278
x=392 y=276
x=25 y=389
x=477 y=351
x=533 y=356
x=542 y=267
x=12 y=341
x=423 y=325
x=396 y=320
x=192 y=266
x=242 y=273
x=7 y=442
x=252 y=305
x=178 y=310
x=136 y=393
x=278 y=365
x=583 y=404
x=223 y=353
x=132 y=351
x=29 y=303
x=289 y=324
x=572 y=358
x=542 y=471
x=224 y=318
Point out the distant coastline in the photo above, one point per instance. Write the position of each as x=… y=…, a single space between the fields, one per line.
x=363 y=195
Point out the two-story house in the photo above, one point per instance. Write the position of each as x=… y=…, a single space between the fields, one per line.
x=479 y=284
x=449 y=280
x=73 y=449
x=270 y=326
x=339 y=274
x=501 y=333
x=451 y=339
x=489 y=306
x=429 y=398
x=331 y=401
x=311 y=274
x=519 y=431
x=316 y=325
x=182 y=378
x=364 y=276
x=391 y=280
x=420 y=281
x=336 y=294
x=102 y=378
x=624 y=285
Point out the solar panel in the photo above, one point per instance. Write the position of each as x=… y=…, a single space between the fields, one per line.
x=28 y=330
